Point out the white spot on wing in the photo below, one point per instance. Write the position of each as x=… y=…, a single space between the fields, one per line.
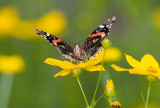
x=114 y=18
x=47 y=34
x=101 y=26
x=95 y=40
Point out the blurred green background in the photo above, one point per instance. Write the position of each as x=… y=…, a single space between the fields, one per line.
x=136 y=32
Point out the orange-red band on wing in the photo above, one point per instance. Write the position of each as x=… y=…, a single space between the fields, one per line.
x=56 y=41
x=97 y=34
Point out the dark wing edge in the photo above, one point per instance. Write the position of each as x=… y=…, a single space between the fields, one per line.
x=92 y=45
x=65 y=49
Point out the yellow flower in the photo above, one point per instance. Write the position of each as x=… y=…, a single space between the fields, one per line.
x=11 y=64
x=116 y=104
x=69 y=67
x=25 y=30
x=147 y=66
x=8 y=20
x=113 y=54
x=53 y=22
x=110 y=91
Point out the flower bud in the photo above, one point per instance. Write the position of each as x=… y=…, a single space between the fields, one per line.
x=106 y=43
x=116 y=104
x=110 y=91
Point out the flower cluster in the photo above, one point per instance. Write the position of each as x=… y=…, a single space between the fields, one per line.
x=11 y=64
x=14 y=26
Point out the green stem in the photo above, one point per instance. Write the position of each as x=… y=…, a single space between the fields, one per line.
x=5 y=89
x=99 y=98
x=98 y=79
x=82 y=92
x=110 y=101
x=97 y=101
x=149 y=87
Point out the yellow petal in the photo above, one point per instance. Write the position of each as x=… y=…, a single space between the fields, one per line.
x=113 y=54
x=116 y=104
x=148 y=60
x=98 y=58
x=83 y=65
x=158 y=73
x=62 y=73
x=144 y=72
x=138 y=71
x=91 y=62
x=95 y=68
x=63 y=64
x=117 y=68
x=133 y=62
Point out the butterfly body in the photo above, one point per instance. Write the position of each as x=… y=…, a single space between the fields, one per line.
x=90 y=48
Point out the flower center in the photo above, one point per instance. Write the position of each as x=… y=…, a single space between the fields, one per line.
x=151 y=69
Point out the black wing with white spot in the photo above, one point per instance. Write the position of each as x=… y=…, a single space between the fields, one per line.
x=65 y=49
x=92 y=45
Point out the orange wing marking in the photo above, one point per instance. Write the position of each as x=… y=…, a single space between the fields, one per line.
x=97 y=34
x=56 y=41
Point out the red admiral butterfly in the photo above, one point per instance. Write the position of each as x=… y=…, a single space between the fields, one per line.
x=90 y=48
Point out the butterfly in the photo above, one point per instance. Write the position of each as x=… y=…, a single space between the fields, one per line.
x=89 y=49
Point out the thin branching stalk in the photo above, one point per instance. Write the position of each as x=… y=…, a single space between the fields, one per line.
x=98 y=79
x=82 y=91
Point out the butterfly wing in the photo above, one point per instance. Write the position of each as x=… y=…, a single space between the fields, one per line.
x=92 y=45
x=65 y=49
